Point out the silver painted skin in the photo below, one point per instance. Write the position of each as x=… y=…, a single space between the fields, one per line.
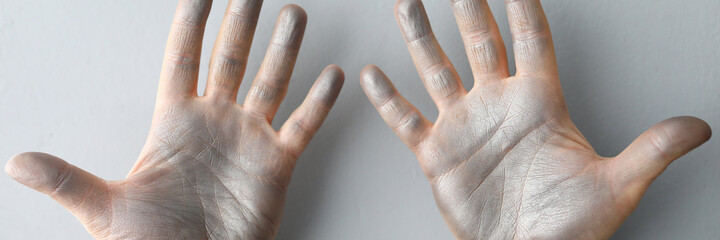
x=211 y=168
x=504 y=160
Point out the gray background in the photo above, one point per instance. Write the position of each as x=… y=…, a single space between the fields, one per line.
x=78 y=79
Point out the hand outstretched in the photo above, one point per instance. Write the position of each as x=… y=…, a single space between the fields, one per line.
x=504 y=160
x=210 y=168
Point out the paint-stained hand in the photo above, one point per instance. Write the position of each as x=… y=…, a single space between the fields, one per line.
x=210 y=168
x=504 y=159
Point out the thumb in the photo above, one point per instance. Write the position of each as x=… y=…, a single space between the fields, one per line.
x=656 y=148
x=83 y=194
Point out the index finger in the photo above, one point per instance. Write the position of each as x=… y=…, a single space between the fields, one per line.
x=182 y=52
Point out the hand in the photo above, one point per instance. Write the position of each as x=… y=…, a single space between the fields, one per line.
x=504 y=160
x=210 y=168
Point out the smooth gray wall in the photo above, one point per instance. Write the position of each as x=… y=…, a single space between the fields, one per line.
x=78 y=79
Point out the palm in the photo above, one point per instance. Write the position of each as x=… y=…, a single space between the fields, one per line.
x=216 y=170
x=504 y=160
x=522 y=157
x=211 y=168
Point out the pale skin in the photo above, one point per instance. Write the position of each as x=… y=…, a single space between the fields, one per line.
x=211 y=168
x=504 y=160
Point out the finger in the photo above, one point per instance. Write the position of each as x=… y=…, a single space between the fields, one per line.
x=435 y=69
x=654 y=150
x=83 y=194
x=270 y=85
x=299 y=129
x=230 y=53
x=407 y=122
x=178 y=78
x=483 y=42
x=532 y=42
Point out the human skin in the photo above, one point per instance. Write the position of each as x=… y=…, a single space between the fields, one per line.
x=211 y=168
x=504 y=160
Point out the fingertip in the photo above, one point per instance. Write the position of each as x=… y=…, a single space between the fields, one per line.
x=681 y=134
x=376 y=84
x=290 y=26
x=194 y=12
x=293 y=11
x=412 y=18
x=334 y=76
x=73 y=188
x=35 y=170
x=663 y=143
x=335 y=73
x=366 y=74
x=327 y=88
x=18 y=164
x=370 y=74
x=692 y=125
x=248 y=9
x=12 y=165
x=369 y=69
x=654 y=150
x=404 y=7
